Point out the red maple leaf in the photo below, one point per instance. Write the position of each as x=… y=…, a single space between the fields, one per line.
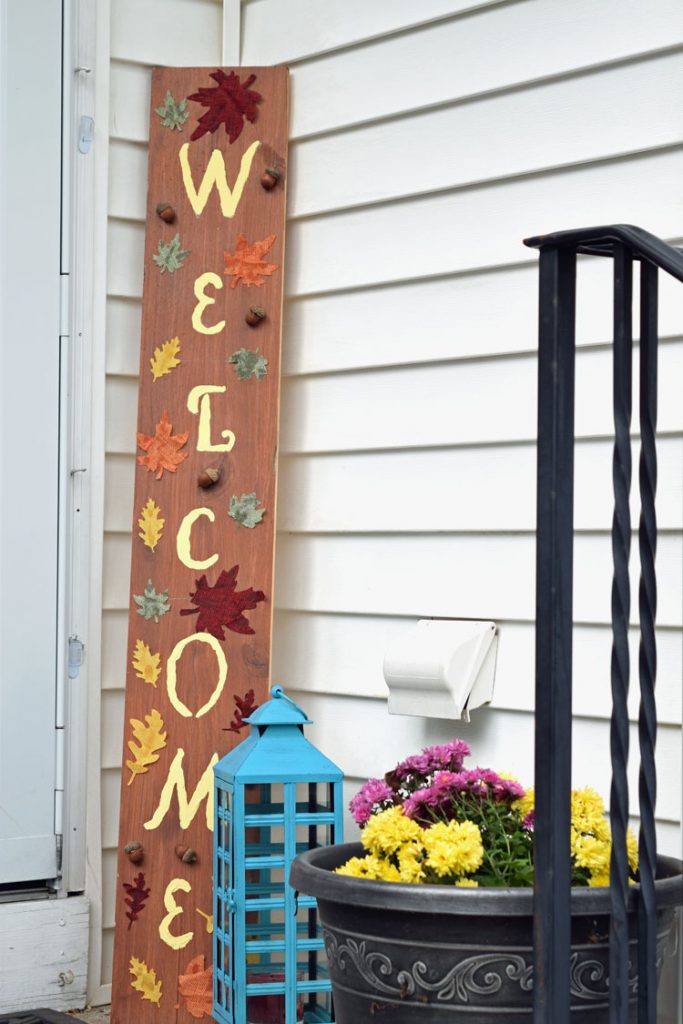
x=222 y=606
x=229 y=103
x=247 y=264
x=162 y=448
x=135 y=900
x=244 y=707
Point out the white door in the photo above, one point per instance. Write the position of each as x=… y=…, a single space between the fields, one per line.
x=30 y=189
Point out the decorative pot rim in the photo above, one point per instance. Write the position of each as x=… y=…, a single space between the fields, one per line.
x=312 y=873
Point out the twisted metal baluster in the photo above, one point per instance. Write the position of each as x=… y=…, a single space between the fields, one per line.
x=647 y=656
x=621 y=600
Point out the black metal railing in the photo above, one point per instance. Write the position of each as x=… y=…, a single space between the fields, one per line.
x=624 y=244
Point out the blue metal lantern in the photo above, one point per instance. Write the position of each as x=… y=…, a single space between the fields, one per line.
x=276 y=795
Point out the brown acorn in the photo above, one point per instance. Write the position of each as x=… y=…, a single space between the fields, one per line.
x=186 y=854
x=134 y=852
x=255 y=315
x=166 y=212
x=208 y=477
x=270 y=178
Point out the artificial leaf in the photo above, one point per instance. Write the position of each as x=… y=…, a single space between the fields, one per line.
x=249 y=364
x=245 y=510
x=172 y=114
x=152 y=604
x=162 y=448
x=169 y=256
x=164 y=359
x=229 y=103
x=222 y=606
x=196 y=987
x=244 y=707
x=145 y=981
x=146 y=664
x=149 y=738
x=151 y=524
x=246 y=263
x=135 y=900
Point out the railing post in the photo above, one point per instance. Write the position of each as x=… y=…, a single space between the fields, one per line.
x=621 y=607
x=554 y=571
x=647 y=658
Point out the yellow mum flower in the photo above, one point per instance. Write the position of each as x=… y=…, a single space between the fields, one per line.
x=593 y=854
x=387 y=831
x=466 y=883
x=588 y=810
x=453 y=848
x=600 y=879
x=632 y=850
x=525 y=804
x=410 y=858
x=374 y=868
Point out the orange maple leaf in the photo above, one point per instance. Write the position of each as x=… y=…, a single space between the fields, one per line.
x=162 y=448
x=196 y=987
x=246 y=264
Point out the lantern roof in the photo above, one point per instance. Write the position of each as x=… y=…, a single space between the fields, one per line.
x=277 y=750
x=280 y=710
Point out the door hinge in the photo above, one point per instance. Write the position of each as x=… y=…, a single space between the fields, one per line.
x=76 y=656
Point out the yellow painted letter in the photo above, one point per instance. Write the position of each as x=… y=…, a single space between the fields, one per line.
x=183 y=540
x=198 y=401
x=187 y=809
x=165 y=933
x=171 y=671
x=204 y=301
x=215 y=175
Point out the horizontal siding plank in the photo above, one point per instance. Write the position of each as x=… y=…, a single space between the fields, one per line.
x=126 y=256
x=342 y=655
x=110 y=785
x=503 y=740
x=127 y=180
x=479 y=227
x=119 y=480
x=491 y=138
x=476 y=489
x=478 y=402
x=113 y=715
x=530 y=41
x=130 y=88
x=114 y=648
x=277 y=32
x=489 y=313
x=109 y=887
x=183 y=32
x=124 y=323
x=464 y=575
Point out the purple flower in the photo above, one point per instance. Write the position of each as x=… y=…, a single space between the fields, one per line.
x=373 y=796
x=441 y=757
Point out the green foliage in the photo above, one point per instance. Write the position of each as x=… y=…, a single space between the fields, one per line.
x=170 y=256
x=244 y=510
x=172 y=114
x=152 y=605
x=249 y=364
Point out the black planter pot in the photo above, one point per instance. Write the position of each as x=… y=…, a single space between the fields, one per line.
x=417 y=954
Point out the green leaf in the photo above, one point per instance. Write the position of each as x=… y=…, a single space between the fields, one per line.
x=172 y=114
x=170 y=256
x=244 y=510
x=249 y=364
x=152 y=605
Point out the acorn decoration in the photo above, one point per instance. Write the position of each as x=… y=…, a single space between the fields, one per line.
x=134 y=852
x=186 y=854
x=270 y=178
x=254 y=316
x=208 y=477
x=166 y=212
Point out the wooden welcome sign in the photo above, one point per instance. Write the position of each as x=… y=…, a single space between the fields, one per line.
x=204 y=520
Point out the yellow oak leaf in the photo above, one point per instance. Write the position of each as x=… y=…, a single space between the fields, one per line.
x=145 y=663
x=164 y=359
x=145 y=980
x=150 y=739
x=151 y=524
